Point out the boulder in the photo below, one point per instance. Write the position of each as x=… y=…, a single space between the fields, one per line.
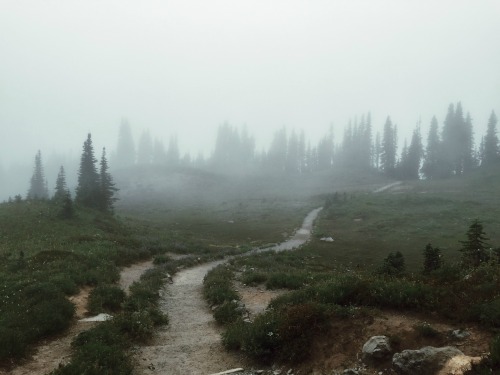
x=377 y=348
x=428 y=360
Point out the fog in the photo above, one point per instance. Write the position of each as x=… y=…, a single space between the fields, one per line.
x=185 y=67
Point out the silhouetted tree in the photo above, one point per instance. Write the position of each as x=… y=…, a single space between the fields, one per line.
x=276 y=156
x=125 y=151
x=475 y=248
x=159 y=153
x=61 y=188
x=67 y=210
x=411 y=159
x=292 y=157
x=107 y=187
x=490 y=154
x=38 y=185
x=88 y=189
x=431 y=167
x=393 y=265
x=173 y=154
x=432 y=258
x=457 y=142
x=389 y=148
x=145 y=149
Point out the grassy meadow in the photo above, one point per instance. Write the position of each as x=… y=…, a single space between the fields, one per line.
x=46 y=258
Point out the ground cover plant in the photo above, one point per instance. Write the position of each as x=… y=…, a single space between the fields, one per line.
x=46 y=258
x=381 y=258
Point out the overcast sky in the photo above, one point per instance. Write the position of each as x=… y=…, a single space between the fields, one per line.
x=68 y=67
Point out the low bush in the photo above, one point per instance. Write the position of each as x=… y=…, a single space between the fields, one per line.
x=253 y=278
x=227 y=312
x=105 y=298
x=217 y=286
x=286 y=280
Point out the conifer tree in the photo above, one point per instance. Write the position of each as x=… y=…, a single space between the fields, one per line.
x=431 y=166
x=475 y=248
x=107 y=187
x=432 y=258
x=125 y=151
x=61 y=188
x=173 y=154
x=38 y=184
x=415 y=153
x=145 y=149
x=389 y=148
x=491 y=153
x=88 y=189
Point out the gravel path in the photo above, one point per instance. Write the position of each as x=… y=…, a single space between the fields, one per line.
x=191 y=343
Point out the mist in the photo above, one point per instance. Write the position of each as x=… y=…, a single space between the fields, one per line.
x=184 y=68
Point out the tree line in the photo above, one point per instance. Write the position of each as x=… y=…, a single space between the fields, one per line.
x=95 y=188
x=450 y=150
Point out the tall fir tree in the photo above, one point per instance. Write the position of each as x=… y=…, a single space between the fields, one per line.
x=432 y=160
x=415 y=154
x=107 y=187
x=145 y=149
x=490 y=154
x=88 y=189
x=389 y=148
x=173 y=154
x=61 y=188
x=475 y=248
x=125 y=150
x=38 y=184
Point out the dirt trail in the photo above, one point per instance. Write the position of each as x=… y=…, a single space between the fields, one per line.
x=49 y=354
x=191 y=343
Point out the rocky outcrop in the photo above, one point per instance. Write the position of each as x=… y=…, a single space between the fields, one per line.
x=428 y=360
x=377 y=348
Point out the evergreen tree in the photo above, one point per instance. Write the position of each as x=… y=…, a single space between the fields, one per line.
x=432 y=160
x=415 y=153
x=491 y=153
x=468 y=154
x=377 y=152
x=325 y=151
x=393 y=265
x=292 y=157
x=61 y=188
x=432 y=258
x=276 y=156
x=159 y=154
x=475 y=248
x=88 y=189
x=107 y=186
x=38 y=185
x=145 y=149
x=389 y=148
x=67 y=211
x=125 y=151
x=173 y=154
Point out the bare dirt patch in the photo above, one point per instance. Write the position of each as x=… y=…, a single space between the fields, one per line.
x=340 y=348
x=256 y=299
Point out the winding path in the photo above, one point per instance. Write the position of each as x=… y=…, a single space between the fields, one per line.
x=191 y=344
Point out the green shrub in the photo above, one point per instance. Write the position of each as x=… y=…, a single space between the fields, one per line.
x=253 y=278
x=227 y=312
x=298 y=327
x=105 y=298
x=234 y=335
x=286 y=280
x=161 y=259
x=217 y=286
